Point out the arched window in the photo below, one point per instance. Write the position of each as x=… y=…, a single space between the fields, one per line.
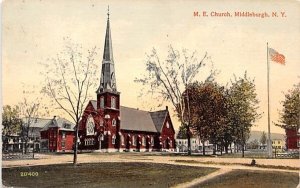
x=113 y=139
x=90 y=125
x=133 y=140
x=114 y=122
x=152 y=141
x=143 y=141
x=167 y=125
x=122 y=140
x=113 y=102
x=101 y=102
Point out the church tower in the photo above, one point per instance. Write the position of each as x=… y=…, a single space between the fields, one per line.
x=108 y=98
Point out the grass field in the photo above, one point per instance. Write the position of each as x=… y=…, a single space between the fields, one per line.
x=102 y=175
x=250 y=179
x=223 y=163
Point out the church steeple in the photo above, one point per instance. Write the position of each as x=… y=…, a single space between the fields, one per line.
x=107 y=80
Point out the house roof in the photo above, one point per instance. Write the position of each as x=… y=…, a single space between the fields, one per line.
x=36 y=122
x=94 y=103
x=256 y=135
x=60 y=123
x=138 y=120
x=158 y=118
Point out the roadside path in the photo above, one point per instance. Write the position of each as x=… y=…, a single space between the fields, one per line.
x=203 y=178
x=224 y=163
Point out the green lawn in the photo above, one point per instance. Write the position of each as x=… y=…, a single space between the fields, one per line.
x=251 y=179
x=102 y=175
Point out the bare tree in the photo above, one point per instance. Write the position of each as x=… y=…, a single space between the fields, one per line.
x=69 y=77
x=168 y=80
x=31 y=107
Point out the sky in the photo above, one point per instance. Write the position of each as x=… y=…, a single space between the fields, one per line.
x=33 y=31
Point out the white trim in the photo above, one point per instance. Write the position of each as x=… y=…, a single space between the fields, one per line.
x=101 y=102
x=113 y=102
x=90 y=125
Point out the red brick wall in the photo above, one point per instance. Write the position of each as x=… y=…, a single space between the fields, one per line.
x=167 y=135
x=291 y=139
x=54 y=135
x=68 y=140
x=138 y=136
x=51 y=134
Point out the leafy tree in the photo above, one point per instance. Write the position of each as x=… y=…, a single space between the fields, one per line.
x=69 y=77
x=290 y=114
x=11 y=121
x=182 y=133
x=253 y=144
x=167 y=80
x=263 y=138
x=208 y=111
x=242 y=106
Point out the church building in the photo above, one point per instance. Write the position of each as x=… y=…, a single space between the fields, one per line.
x=108 y=126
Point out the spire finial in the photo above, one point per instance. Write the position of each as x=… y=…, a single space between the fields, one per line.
x=108 y=12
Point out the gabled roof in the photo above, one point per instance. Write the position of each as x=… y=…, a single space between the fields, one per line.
x=137 y=120
x=140 y=120
x=94 y=103
x=36 y=122
x=61 y=123
x=158 y=118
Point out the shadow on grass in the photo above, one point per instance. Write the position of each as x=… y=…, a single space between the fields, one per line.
x=243 y=164
x=102 y=175
x=250 y=179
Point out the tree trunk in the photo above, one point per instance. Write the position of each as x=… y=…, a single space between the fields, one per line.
x=214 y=149
x=234 y=147
x=243 y=150
x=75 y=145
x=203 y=148
x=226 y=147
x=26 y=146
x=189 y=139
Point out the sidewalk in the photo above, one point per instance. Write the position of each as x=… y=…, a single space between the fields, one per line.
x=45 y=159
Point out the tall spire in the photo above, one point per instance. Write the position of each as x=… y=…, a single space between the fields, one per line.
x=108 y=80
x=108 y=53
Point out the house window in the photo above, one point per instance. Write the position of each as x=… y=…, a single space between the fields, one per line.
x=143 y=141
x=90 y=125
x=89 y=141
x=167 y=125
x=101 y=122
x=113 y=102
x=122 y=140
x=63 y=144
x=171 y=143
x=152 y=141
x=113 y=140
x=101 y=102
x=114 y=122
x=63 y=135
x=133 y=140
